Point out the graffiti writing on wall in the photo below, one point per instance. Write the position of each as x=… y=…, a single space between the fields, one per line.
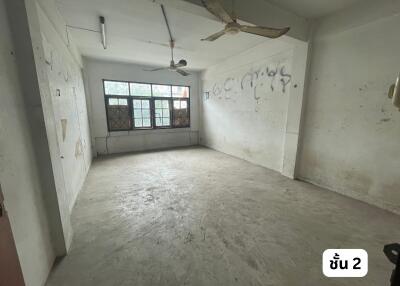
x=271 y=78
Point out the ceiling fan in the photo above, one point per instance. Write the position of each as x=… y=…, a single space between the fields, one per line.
x=232 y=27
x=172 y=65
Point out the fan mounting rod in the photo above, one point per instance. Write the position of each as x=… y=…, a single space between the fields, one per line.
x=172 y=66
x=172 y=46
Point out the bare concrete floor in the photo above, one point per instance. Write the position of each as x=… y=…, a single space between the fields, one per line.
x=198 y=217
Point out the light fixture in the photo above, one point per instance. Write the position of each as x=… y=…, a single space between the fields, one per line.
x=103 y=31
x=394 y=93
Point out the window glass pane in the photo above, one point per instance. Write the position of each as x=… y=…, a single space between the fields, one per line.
x=161 y=104
x=137 y=113
x=161 y=90
x=145 y=103
x=180 y=113
x=137 y=103
x=113 y=101
x=146 y=123
x=116 y=88
x=165 y=104
x=122 y=101
x=138 y=123
x=117 y=101
x=165 y=121
x=180 y=91
x=165 y=113
x=177 y=104
x=146 y=113
x=140 y=89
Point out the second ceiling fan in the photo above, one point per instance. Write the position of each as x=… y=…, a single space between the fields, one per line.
x=233 y=27
x=176 y=67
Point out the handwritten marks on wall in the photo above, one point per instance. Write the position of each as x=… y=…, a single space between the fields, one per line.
x=272 y=78
x=65 y=80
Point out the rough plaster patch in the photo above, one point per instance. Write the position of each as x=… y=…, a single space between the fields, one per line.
x=78 y=148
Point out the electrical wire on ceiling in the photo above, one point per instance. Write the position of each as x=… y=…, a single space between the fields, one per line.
x=84 y=29
x=176 y=67
x=102 y=31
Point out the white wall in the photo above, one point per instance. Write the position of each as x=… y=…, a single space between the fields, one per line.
x=245 y=112
x=105 y=142
x=19 y=168
x=351 y=132
x=40 y=187
x=57 y=66
x=69 y=107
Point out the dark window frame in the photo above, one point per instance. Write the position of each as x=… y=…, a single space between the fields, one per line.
x=152 y=100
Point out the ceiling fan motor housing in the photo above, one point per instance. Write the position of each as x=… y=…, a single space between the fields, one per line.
x=232 y=28
x=183 y=62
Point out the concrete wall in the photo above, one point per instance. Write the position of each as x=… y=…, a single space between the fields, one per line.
x=69 y=106
x=351 y=132
x=19 y=166
x=56 y=66
x=245 y=103
x=41 y=173
x=105 y=142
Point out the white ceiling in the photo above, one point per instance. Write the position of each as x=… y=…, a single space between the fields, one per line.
x=136 y=32
x=313 y=8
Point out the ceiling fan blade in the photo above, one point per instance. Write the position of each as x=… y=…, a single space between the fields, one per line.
x=264 y=31
x=182 y=72
x=215 y=36
x=156 y=69
x=216 y=8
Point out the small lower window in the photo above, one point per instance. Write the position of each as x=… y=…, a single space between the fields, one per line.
x=118 y=114
x=181 y=113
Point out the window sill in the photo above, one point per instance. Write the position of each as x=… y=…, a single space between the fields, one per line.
x=149 y=131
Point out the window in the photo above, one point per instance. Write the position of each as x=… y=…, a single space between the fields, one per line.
x=180 y=91
x=118 y=114
x=116 y=88
x=161 y=90
x=136 y=106
x=141 y=113
x=162 y=112
x=180 y=113
x=140 y=89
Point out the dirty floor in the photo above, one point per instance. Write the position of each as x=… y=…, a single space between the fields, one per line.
x=199 y=217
